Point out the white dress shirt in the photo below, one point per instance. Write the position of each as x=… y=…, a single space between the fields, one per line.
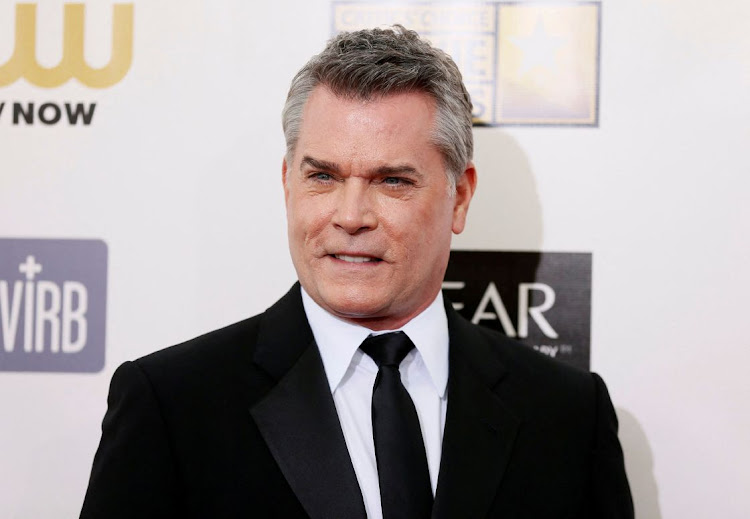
x=351 y=376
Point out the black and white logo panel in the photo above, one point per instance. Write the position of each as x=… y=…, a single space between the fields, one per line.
x=543 y=299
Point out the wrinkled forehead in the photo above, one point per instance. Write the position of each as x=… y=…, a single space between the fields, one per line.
x=404 y=118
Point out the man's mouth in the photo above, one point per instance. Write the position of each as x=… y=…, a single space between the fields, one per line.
x=355 y=259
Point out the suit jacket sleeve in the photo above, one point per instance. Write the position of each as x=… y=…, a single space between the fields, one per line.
x=610 y=496
x=133 y=474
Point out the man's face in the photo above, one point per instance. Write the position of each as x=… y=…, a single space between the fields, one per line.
x=368 y=207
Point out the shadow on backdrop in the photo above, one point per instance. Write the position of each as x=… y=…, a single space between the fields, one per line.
x=639 y=464
x=506 y=213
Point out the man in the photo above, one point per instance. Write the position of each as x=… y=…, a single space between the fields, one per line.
x=305 y=410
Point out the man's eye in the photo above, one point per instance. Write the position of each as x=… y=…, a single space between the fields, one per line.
x=323 y=177
x=395 y=181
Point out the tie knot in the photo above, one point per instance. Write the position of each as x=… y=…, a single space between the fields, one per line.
x=387 y=349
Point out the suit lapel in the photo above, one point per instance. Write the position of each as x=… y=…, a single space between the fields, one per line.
x=479 y=429
x=298 y=418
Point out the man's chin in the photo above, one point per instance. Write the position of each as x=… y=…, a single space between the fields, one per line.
x=355 y=303
x=359 y=309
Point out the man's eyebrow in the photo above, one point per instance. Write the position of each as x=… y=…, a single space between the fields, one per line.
x=380 y=171
x=400 y=169
x=323 y=165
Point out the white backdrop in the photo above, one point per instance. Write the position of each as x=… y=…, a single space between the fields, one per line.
x=179 y=173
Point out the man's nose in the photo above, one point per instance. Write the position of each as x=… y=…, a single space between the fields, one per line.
x=354 y=210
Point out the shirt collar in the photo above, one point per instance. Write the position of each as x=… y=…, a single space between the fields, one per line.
x=338 y=340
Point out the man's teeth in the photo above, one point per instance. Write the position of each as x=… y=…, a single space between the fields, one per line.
x=354 y=259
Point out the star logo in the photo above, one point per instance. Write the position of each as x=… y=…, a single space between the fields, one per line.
x=539 y=49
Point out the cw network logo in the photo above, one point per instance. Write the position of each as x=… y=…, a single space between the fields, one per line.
x=52 y=305
x=23 y=63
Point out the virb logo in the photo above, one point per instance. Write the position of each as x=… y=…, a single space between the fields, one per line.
x=52 y=305
x=23 y=62
x=54 y=315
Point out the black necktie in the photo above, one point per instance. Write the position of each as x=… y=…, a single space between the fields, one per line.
x=405 y=490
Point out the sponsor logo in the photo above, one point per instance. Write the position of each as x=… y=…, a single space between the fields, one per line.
x=523 y=64
x=23 y=63
x=51 y=113
x=53 y=296
x=540 y=299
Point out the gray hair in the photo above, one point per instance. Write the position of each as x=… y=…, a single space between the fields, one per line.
x=373 y=63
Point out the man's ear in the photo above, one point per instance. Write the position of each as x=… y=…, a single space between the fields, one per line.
x=465 y=186
x=284 y=179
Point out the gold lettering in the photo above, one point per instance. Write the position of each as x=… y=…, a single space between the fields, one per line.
x=23 y=62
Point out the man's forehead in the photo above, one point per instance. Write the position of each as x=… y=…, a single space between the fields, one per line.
x=370 y=136
x=398 y=117
x=322 y=99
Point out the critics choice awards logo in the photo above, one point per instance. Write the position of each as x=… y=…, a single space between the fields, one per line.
x=53 y=296
x=24 y=64
x=542 y=299
x=523 y=63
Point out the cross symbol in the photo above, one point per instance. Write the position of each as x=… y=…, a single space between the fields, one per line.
x=31 y=268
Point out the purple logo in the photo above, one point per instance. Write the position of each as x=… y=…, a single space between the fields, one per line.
x=53 y=300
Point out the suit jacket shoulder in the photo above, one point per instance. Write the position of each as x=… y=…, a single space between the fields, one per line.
x=178 y=439
x=556 y=426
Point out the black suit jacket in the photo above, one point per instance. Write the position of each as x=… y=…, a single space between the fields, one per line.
x=241 y=423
